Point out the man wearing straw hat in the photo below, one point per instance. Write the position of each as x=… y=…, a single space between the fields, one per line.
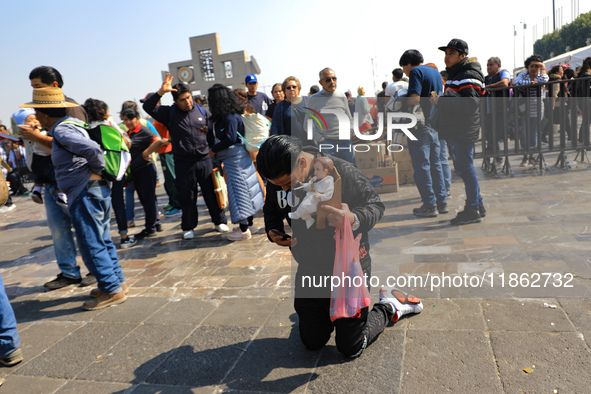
x=79 y=163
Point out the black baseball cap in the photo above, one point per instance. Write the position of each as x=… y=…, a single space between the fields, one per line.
x=457 y=44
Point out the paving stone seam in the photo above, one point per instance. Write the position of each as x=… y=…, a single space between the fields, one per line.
x=492 y=351
x=401 y=378
x=26 y=361
x=579 y=333
x=313 y=369
x=115 y=345
x=254 y=336
x=200 y=324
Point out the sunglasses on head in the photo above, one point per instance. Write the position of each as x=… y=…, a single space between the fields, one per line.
x=329 y=79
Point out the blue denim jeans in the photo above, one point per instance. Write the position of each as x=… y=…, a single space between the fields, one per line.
x=533 y=133
x=58 y=221
x=118 y=201
x=343 y=149
x=445 y=165
x=464 y=164
x=9 y=339
x=91 y=215
x=129 y=201
x=425 y=154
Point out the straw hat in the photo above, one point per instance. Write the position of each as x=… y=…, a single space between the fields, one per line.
x=49 y=97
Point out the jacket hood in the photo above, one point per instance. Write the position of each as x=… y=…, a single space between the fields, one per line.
x=468 y=65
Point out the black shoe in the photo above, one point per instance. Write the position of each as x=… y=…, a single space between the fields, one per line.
x=159 y=228
x=425 y=212
x=128 y=243
x=467 y=216
x=37 y=197
x=61 y=281
x=482 y=210
x=88 y=280
x=145 y=234
x=442 y=208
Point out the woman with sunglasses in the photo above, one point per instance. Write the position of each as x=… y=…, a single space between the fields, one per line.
x=289 y=114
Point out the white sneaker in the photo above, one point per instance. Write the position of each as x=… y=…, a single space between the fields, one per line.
x=222 y=228
x=7 y=208
x=188 y=234
x=239 y=235
x=401 y=302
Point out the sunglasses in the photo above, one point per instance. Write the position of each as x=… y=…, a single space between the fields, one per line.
x=329 y=79
x=291 y=87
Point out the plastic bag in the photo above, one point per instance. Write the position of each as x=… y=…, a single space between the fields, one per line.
x=352 y=294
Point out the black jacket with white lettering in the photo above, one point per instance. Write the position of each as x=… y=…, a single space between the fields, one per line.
x=315 y=249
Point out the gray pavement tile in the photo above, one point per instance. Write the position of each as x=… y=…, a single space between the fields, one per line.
x=579 y=312
x=42 y=336
x=163 y=389
x=448 y=314
x=376 y=370
x=135 y=309
x=448 y=361
x=524 y=315
x=33 y=310
x=176 y=311
x=243 y=312
x=204 y=358
x=77 y=387
x=70 y=356
x=30 y=385
x=284 y=315
x=276 y=361
x=562 y=361
x=138 y=354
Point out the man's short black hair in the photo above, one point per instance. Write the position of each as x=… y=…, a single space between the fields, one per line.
x=48 y=75
x=384 y=84
x=52 y=112
x=412 y=57
x=398 y=73
x=533 y=58
x=278 y=156
x=181 y=88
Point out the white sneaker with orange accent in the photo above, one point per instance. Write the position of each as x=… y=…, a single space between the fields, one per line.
x=403 y=303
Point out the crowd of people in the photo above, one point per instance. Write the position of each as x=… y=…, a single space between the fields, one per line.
x=192 y=139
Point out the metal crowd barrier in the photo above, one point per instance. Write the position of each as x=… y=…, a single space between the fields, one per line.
x=506 y=127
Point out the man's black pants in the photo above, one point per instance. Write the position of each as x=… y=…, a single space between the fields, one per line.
x=352 y=335
x=188 y=175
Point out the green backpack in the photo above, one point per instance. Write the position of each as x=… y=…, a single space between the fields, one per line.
x=116 y=152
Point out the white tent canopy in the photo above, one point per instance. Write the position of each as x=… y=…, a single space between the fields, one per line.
x=573 y=58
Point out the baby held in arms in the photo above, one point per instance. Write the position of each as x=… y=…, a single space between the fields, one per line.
x=320 y=188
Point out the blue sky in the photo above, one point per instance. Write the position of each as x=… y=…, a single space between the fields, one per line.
x=115 y=50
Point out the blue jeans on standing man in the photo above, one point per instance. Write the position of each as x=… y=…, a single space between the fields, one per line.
x=58 y=221
x=462 y=152
x=9 y=339
x=425 y=154
x=91 y=216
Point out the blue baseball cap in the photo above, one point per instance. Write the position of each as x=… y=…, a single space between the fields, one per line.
x=250 y=78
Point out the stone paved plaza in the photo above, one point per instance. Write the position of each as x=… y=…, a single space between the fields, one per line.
x=206 y=315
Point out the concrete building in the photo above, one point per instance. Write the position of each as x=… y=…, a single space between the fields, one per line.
x=209 y=65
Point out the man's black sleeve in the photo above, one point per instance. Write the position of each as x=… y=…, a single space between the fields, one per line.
x=361 y=198
x=273 y=215
x=159 y=112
